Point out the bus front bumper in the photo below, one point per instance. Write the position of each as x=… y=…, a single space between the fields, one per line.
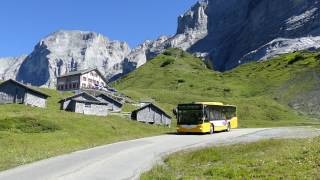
x=193 y=128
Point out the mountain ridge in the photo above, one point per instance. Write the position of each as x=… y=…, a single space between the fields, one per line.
x=226 y=34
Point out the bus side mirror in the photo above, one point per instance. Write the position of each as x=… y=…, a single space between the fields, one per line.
x=174 y=111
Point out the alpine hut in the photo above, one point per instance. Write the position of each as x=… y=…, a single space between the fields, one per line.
x=12 y=91
x=84 y=103
x=83 y=79
x=114 y=104
x=151 y=114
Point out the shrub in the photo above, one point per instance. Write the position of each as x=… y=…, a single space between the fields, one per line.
x=168 y=53
x=167 y=62
x=296 y=58
x=27 y=125
x=181 y=81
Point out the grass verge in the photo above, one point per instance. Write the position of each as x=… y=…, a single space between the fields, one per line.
x=270 y=159
x=29 y=134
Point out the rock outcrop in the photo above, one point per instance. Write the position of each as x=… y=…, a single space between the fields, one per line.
x=10 y=66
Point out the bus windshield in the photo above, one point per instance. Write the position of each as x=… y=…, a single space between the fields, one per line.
x=190 y=115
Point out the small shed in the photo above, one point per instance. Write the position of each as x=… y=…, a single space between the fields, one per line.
x=152 y=114
x=12 y=92
x=84 y=103
x=114 y=105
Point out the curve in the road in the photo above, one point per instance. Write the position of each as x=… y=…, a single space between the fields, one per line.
x=127 y=160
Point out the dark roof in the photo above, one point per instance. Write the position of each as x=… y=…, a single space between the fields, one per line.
x=84 y=71
x=110 y=98
x=157 y=107
x=91 y=102
x=80 y=94
x=25 y=86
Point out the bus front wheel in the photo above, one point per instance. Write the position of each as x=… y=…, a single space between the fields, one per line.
x=211 y=129
x=229 y=127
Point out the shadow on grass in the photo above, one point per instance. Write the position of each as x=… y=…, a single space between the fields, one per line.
x=188 y=134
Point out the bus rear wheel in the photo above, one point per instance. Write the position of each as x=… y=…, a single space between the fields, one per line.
x=211 y=129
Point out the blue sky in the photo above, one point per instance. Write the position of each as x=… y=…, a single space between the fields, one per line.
x=25 y=22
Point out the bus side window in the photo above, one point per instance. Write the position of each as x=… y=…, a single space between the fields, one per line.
x=216 y=115
x=207 y=115
x=211 y=115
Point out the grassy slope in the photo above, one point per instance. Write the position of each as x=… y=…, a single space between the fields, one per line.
x=273 y=159
x=28 y=134
x=261 y=90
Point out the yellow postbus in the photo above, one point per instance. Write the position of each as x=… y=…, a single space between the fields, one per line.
x=206 y=117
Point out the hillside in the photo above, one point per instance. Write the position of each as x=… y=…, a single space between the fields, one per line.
x=28 y=134
x=266 y=93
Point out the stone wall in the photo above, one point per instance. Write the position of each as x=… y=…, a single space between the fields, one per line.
x=153 y=116
x=34 y=99
x=93 y=109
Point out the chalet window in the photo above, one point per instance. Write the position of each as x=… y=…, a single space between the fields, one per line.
x=87 y=105
x=84 y=79
x=66 y=86
x=90 y=80
x=74 y=85
x=84 y=85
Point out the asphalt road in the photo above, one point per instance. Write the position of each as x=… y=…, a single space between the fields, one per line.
x=127 y=160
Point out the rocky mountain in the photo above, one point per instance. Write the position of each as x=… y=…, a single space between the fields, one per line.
x=230 y=33
x=237 y=28
x=64 y=51
x=227 y=33
x=192 y=27
x=9 y=67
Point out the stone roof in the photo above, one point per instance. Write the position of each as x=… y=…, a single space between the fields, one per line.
x=73 y=98
x=24 y=86
x=84 y=71
x=155 y=106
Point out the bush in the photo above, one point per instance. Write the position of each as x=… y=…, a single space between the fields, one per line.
x=296 y=58
x=168 y=53
x=167 y=62
x=27 y=125
x=181 y=81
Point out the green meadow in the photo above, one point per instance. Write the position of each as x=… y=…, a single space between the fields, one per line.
x=262 y=91
x=29 y=134
x=271 y=159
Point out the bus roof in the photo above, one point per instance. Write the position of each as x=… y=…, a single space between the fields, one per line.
x=210 y=103
x=214 y=104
